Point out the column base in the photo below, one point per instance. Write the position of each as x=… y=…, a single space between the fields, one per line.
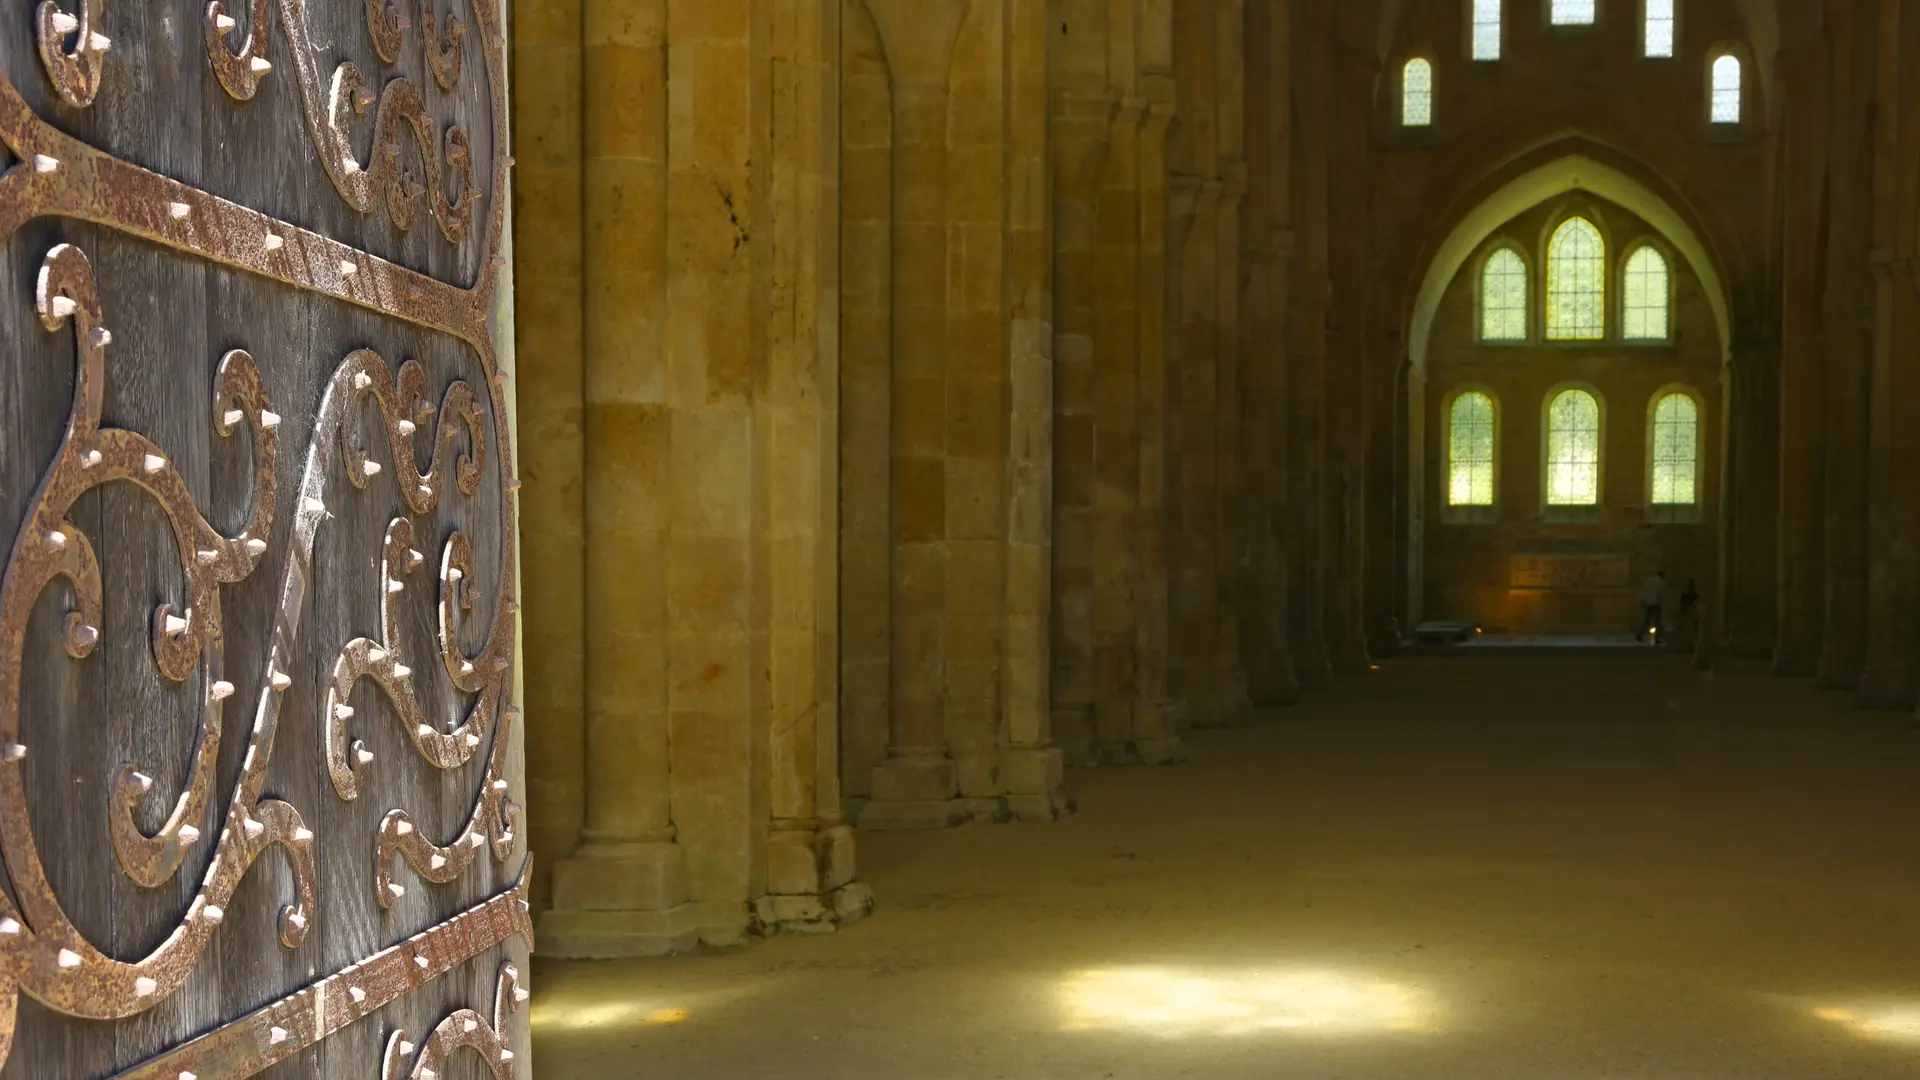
x=1351 y=659
x=915 y=793
x=1036 y=784
x=610 y=935
x=627 y=900
x=810 y=883
x=1312 y=668
x=1159 y=724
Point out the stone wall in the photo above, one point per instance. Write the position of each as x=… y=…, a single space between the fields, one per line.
x=1469 y=550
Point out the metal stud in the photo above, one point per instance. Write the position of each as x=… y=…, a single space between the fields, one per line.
x=343 y=712
x=276 y=1036
x=102 y=336
x=348 y=269
x=189 y=834
x=364 y=756
x=401 y=671
x=69 y=958
x=179 y=210
x=145 y=987
x=254 y=829
x=376 y=654
x=362 y=380
x=213 y=914
x=259 y=65
x=155 y=463
x=395 y=585
x=220 y=690
x=273 y=241
x=56 y=539
x=13 y=751
x=437 y=861
x=99 y=42
x=269 y=420
x=175 y=626
x=280 y=680
x=44 y=164
x=302 y=834
x=224 y=23
x=64 y=23
x=143 y=781
x=315 y=506
x=420 y=962
x=404 y=427
x=89 y=459
x=370 y=468
x=358 y=995
x=470 y=1026
x=298 y=920
x=9 y=927
x=256 y=546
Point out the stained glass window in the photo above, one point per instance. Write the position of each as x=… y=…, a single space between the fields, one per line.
x=1676 y=450
x=1573 y=12
x=1503 y=297
x=1661 y=27
x=1647 y=296
x=1486 y=29
x=1416 y=93
x=1576 y=283
x=1726 y=90
x=1470 y=451
x=1573 y=450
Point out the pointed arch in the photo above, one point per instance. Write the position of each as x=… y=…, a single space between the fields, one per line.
x=1473 y=441
x=1574 y=172
x=1576 y=448
x=1646 y=295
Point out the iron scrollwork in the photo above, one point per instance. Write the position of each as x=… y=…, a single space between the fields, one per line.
x=42 y=953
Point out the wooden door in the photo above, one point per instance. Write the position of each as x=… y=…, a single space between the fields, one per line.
x=258 y=761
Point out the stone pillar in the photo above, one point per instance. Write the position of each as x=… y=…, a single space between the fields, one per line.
x=866 y=402
x=1157 y=722
x=810 y=849
x=1080 y=136
x=1266 y=247
x=1803 y=429
x=1192 y=450
x=919 y=784
x=625 y=890
x=1032 y=764
x=1312 y=295
x=549 y=274
x=1114 y=394
x=1847 y=344
x=1893 y=581
x=1750 y=521
x=1232 y=554
x=1349 y=360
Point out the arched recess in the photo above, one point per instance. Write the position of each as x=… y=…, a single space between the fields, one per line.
x=1574 y=172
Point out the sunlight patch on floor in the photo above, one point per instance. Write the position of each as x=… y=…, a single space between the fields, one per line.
x=1888 y=1021
x=587 y=1015
x=1175 y=1002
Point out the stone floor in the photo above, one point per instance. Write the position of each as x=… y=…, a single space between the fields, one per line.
x=1471 y=867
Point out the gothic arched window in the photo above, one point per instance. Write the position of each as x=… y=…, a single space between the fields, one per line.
x=1416 y=93
x=1675 y=458
x=1648 y=296
x=1573 y=449
x=1470 y=435
x=1659 y=33
x=1503 y=297
x=1576 y=283
x=1726 y=89
x=1486 y=29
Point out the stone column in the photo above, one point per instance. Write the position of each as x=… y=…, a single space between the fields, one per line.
x=1157 y=722
x=1847 y=345
x=1750 y=522
x=1803 y=429
x=625 y=890
x=1893 y=582
x=810 y=849
x=1079 y=139
x=1349 y=360
x=919 y=786
x=1194 y=418
x=1312 y=295
x=1266 y=246
x=1232 y=553
x=1032 y=764
x=866 y=402
x=1116 y=401
x=549 y=276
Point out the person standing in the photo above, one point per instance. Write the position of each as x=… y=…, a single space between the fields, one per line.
x=1652 y=592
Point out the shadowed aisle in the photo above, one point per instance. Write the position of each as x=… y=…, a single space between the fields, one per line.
x=1468 y=867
